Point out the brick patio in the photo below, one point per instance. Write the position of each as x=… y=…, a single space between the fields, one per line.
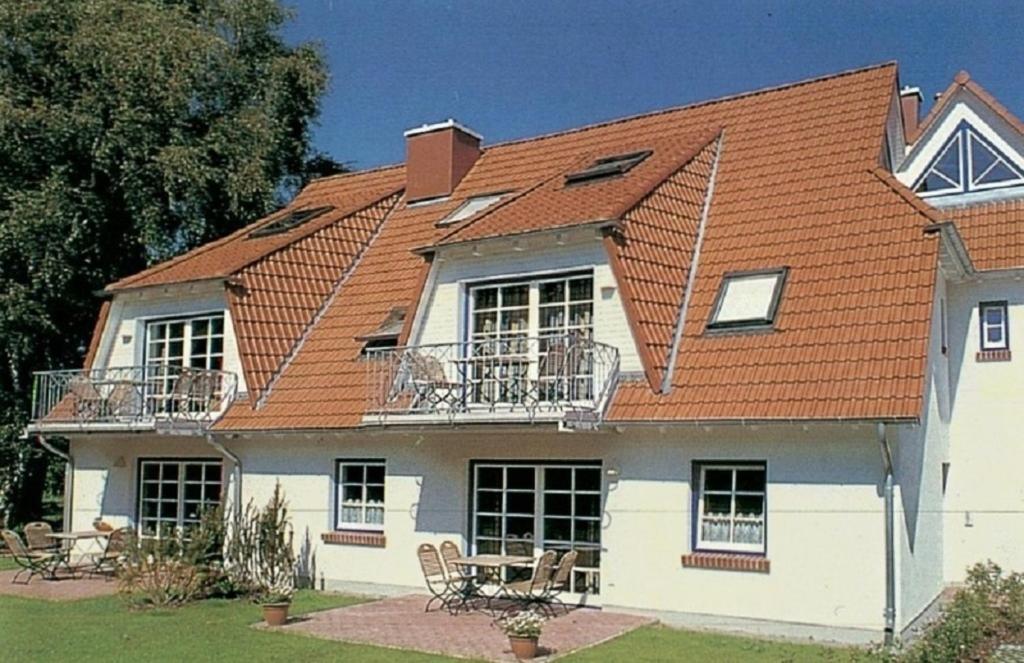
x=401 y=623
x=65 y=588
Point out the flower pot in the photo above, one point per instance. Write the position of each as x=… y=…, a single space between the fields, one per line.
x=523 y=648
x=275 y=614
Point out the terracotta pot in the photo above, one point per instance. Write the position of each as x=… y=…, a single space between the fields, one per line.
x=275 y=614
x=523 y=648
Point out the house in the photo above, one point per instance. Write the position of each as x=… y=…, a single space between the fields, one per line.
x=751 y=357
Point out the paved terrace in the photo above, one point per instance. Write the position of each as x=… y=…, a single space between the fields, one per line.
x=65 y=588
x=400 y=622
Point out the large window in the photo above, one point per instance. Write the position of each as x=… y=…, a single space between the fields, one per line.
x=748 y=299
x=530 y=508
x=522 y=334
x=174 y=493
x=966 y=163
x=994 y=328
x=360 y=501
x=172 y=344
x=730 y=509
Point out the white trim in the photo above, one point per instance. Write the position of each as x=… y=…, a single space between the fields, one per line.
x=702 y=545
x=450 y=123
x=363 y=505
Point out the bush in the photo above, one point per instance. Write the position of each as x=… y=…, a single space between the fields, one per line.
x=987 y=612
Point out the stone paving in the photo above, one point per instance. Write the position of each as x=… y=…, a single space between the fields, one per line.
x=65 y=588
x=1008 y=654
x=400 y=622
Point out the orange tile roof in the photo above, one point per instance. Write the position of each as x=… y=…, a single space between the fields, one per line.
x=796 y=187
x=993 y=233
x=963 y=80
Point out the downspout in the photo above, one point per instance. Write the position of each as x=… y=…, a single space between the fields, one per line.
x=69 y=477
x=677 y=338
x=237 y=471
x=890 y=546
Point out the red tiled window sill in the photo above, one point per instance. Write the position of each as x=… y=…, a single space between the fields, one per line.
x=726 y=562
x=368 y=539
x=993 y=355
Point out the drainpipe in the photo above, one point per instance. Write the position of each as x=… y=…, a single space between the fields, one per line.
x=890 y=547
x=237 y=471
x=69 y=477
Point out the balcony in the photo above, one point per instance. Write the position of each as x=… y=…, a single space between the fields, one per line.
x=164 y=398
x=562 y=379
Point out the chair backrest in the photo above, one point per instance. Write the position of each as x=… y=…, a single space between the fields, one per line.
x=82 y=388
x=542 y=571
x=430 y=563
x=519 y=547
x=449 y=552
x=37 y=535
x=118 y=540
x=564 y=570
x=121 y=398
x=426 y=368
x=14 y=543
x=553 y=362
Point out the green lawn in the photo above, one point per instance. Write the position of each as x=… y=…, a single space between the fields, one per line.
x=6 y=564
x=104 y=630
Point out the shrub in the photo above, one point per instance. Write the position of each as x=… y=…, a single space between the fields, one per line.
x=988 y=611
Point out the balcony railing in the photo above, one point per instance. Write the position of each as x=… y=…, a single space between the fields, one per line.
x=566 y=378
x=157 y=396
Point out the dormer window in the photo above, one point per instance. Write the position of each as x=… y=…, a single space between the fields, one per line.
x=748 y=299
x=605 y=167
x=289 y=221
x=967 y=163
x=471 y=207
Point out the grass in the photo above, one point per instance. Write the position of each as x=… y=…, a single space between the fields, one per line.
x=7 y=564
x=103 y=629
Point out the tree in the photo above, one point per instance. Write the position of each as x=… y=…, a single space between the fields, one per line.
x=130 y=131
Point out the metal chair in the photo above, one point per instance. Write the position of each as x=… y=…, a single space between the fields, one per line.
x=437 y=581
x=561 y=580
x=110 y=560
x=86 y=398
x=37 y=535
x=528 y=593
x=36 y=563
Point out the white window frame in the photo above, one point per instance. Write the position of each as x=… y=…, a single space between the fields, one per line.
x=187 y=321
x=179 y=520
x=779 y=273
x=339 y=492
x=1003 y=325
x=700 y=545
x=472 y=207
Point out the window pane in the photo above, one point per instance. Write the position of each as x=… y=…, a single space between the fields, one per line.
x=558 y=478
x=588 y=478
x=516 y=320
x=485 y=323
x=193 y=472
x=588 y=531
x=351 y=514
x=212 y=472
x=170 y=471
x=374 y=474
x=749 y=506
x=747 y=532
x=515 y=295
x=552 y=317
x=558 y=504
x=715 y=530
x=717 y=505
x=520 y=527
x=485 y=298
x=374 y=515
x=193 y=491
x=488 y=501
x=352 y=474
x=750 y=480
x=200 y=328
x=580 y=315
x=488 y=526
x=581 y=289
x=352 y=493
x=552 y=291
x=375 y=494
x=489 y=477
x=519 y=503
x=717 y=479
x=558 y=529
x=994 y=334
x=588 y=505
x=994 y=315
x=150 y=471
x=521 y=477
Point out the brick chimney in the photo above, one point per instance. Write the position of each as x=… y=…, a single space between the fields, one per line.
x=437 y=157
x=910 y=105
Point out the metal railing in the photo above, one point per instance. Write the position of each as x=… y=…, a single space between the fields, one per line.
x=132 y=395
x=513 y=375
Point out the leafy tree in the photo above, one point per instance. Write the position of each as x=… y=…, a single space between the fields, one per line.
x=130 y=131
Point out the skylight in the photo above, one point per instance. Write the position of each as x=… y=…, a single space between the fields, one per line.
x=611 y=166
x=289 y=221
x=748 y=299
x=471 y=207
x=968 y=163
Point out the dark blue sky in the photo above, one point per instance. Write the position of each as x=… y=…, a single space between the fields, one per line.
x=513 y=69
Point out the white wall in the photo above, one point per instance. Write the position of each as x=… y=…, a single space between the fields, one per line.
x=443 y=314
x=985 y=491
x=122 y=342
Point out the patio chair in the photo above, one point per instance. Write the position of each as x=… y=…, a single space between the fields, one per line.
x=529 y=593
x=37 y=535
x=438 y=584
x=86 y=398
x=36 y=563
x=561 y=580
x=450 y=552
x=113 y=555
x=120 y=403
x=518 y=547
x=431 y=385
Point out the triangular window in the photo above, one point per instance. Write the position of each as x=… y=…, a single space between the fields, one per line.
x=967 y=163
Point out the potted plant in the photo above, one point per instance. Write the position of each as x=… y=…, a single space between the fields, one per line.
x=523 y=630
x=274 y=564
x=275 y=603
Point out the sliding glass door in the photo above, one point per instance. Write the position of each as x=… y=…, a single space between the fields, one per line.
x=534 y=507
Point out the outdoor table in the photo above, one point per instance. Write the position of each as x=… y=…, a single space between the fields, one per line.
x=69 y=539
x=473 y=587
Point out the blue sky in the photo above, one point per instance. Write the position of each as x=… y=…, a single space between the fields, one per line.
x=514 y=69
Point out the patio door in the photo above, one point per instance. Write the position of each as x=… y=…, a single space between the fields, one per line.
x=554 y=505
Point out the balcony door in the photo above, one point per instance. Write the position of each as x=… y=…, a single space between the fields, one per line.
x=174 y=344
x=538 y=507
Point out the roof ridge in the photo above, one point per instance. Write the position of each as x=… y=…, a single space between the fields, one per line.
x=901 y=190
x=354 y=173
x=964 y=81
x=696 y=104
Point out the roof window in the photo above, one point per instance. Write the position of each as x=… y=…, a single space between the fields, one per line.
x=605 y=167
x=471 y=207
x=292 y=220
x=748 y=299
x=967 y=163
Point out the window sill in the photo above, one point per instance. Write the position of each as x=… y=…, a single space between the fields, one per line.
x=993 y=355
x=353 y=538
x=727 y=562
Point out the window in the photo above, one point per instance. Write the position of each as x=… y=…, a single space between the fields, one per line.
x=966 y=163
x=994 y=329
x=172 y=344
x=748 y=299
x=731 y=507
x=174 y=493
x=471 y=207
x=605 y=167
x=288 y=221
x=532 y=508
x=519 y=326
x=360 y=500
